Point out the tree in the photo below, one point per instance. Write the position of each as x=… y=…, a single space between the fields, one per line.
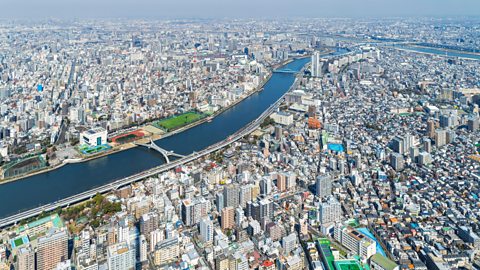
x=268 y=121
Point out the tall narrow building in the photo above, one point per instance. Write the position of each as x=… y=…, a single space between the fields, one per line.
x=316 y=65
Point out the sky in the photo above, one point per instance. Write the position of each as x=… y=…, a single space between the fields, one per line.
x=161 y=9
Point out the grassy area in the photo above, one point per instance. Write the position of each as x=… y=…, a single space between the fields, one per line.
x=178 y=121
x=18 y=242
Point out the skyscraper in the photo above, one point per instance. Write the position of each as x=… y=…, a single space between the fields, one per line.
x=316 y=65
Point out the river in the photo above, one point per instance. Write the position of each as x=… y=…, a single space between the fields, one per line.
x=71 y=179
x=427 y=50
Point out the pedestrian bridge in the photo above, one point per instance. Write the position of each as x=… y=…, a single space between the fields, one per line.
x=166 y=154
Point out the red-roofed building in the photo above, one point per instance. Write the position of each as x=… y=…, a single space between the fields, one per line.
x=268 y=265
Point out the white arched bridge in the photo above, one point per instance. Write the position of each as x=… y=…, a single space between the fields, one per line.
x=162 y=151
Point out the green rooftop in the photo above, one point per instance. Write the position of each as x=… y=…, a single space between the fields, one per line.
x=347 y=265
x=384 y=262
x=55 y=219
x=326 y=253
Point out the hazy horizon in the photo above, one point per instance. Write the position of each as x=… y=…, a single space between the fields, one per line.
x=158 y=9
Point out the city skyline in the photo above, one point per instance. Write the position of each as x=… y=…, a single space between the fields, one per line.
x=132 y=141
x=150 y=9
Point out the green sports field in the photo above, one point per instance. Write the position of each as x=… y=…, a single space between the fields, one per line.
x=178 y=121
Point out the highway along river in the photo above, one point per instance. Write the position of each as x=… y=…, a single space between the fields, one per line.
x=72 y=179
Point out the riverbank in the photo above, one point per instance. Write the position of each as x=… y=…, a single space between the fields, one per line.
x=130 y=145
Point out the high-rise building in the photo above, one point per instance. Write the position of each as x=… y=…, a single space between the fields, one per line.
x=396 y=161
x=289 y=243
x=166 y=251
x=398 y=144
x=281 y=182
x=194 y=210
x=473 y=123
x=231 y=195
x=206 y=230
x=52 y=249
x=143 y=248
x=120 y=257
x=26 y=258
x=245 y=195
x=431 y=128
x=148 y=223
x=228 y=218
x=323 y=185
x=355 y=241
x=316 y=65
x=427 y=145
x=219 y=201
x=440 y=137
x=265 y=186
x=260 y=210
x=239 y=215
x=187 y=212
x=414 y=151
x=330 y=211
x=155 y=237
